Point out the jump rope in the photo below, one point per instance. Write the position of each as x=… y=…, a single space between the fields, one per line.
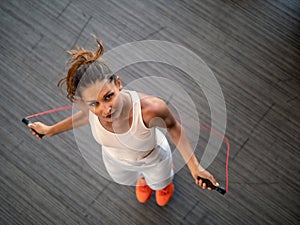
x=208 y=183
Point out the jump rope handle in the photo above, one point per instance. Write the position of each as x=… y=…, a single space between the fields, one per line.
x=27 y=121
x=213 y=187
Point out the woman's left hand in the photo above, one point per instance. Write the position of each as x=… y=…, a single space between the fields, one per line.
x=200 y=172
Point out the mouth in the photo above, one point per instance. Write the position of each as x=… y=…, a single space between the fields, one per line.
x=109 y=116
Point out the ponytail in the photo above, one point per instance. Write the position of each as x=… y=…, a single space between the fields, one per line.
x=81 y=62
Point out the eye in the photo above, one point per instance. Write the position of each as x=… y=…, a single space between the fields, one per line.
x=93 y=104
x=109 y=96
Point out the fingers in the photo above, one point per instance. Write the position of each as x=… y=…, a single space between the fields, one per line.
x=33 y=127
x=214 y=182
x=35 y=134
x=207 y=183
x=204 y=179
x=200 y=183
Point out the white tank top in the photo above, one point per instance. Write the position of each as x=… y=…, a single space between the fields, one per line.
x=132 y=145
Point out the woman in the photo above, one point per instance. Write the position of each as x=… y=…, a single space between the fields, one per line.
x=125 y=124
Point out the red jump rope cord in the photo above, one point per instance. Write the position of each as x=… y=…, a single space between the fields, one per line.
x=225 y=139
x=50 y=111
x=227 y=161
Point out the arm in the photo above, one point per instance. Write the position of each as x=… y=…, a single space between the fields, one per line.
x=157 y=113
x=180 y=139
x=79 y=119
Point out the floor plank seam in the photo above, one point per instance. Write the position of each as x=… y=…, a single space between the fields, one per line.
x=189 y=212
x=261 y=119
x=64 y=9
x=37 y=43
x=292 y=99
x=241 y=148
x=94 y=200
x=152 y=33
x=81 y=31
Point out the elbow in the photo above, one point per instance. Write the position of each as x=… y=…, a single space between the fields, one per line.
x=175 y=130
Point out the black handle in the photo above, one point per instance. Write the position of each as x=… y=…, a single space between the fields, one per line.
x=27 y=121
x=213 y=187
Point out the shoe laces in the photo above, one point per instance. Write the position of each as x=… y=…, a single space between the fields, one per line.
x=144 y=187
x=164 y=191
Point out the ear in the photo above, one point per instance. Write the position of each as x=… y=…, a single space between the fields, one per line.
x=119 y=83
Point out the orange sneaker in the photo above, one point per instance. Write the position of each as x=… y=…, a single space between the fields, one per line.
x=143 y=191
x=164 y=196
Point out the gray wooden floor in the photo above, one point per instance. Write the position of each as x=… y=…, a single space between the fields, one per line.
x=252 y=47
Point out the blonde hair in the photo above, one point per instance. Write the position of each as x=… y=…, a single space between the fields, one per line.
x=86 y=68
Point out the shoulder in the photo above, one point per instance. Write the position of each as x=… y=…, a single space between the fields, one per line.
x=154 y=108
x=152 y=105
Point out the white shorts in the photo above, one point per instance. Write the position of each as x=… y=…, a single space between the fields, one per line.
x=156 y=168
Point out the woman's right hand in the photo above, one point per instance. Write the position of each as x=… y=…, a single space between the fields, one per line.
x=37 y=128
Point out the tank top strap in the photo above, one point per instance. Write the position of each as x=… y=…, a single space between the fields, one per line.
x=137 y=111
x=134 y=97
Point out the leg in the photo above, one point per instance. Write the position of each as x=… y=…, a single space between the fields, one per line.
x=159 y=176
x=118 y=172
x=159 y=172
x=124 y=176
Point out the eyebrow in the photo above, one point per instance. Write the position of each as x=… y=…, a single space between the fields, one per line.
x=90 y=101
x=107 y=93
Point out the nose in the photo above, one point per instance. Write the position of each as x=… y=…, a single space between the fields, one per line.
x=103 y=110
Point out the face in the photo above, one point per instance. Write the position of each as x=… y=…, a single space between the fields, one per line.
x=102 y=99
